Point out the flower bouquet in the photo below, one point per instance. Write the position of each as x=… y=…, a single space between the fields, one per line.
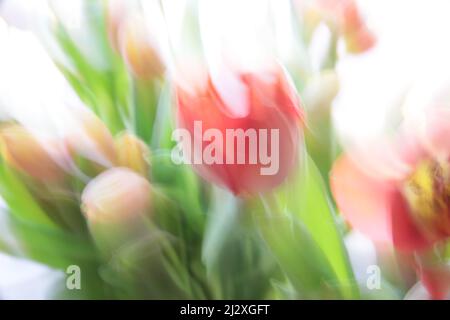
x=186 y=150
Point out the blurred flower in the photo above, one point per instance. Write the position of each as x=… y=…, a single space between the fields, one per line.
x=91 y=139
x=358 y=37
x=138 y=50
x=408 y=199
x=116 y=205
x=132 y=153
x=343 y=17
x=24 y=152
x=116 y=196
x=404 y=200
x=259 y=101
x=129 y=34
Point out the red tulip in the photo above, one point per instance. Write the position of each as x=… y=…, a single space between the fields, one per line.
x=408 y=202
x=265 y=102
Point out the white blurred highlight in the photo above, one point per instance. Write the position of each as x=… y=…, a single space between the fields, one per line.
x=392 y=87
x=362 y=254
x=411 y=49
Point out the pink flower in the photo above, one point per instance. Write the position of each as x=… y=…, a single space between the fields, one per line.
x=407 y=203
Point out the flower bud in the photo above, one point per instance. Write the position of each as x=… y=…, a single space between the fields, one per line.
x=116 y=205
x=138 y=49
x=116 y=196
x=343 y=17
x=360 y=40
x=91 y=139
x=25 y=153
x=132 y=153
x=130 y=36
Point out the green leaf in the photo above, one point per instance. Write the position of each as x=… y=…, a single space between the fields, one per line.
x=180 y=184
x=146 y=94
x=54 y=248
x=237 y=262
x=299 y=226
x=299 y=257
x=40 y=236
x=103 y=89
x=19 y=200
x=164 y=120
x=306 y=199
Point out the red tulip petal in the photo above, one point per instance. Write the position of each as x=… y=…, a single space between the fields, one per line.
x=405 y=234
x=436 y=280
x=363 y=200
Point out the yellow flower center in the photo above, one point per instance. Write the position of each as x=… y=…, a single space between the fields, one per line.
x=427 y=191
